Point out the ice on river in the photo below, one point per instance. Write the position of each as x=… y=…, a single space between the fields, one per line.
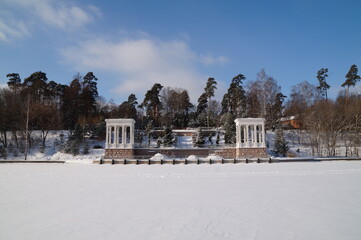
x=318 y=200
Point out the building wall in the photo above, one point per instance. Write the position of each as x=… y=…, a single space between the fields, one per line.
x=251 y=153
x=118 y=153
x=183 y=153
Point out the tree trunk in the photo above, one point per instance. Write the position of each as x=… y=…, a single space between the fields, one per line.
x=15 y=138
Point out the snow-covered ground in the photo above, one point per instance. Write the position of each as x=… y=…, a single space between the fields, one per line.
x=319 y=200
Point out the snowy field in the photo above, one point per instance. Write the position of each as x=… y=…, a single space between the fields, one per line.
x=317 y=200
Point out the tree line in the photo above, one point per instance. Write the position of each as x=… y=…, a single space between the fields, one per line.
x=77 y=107
x=330 y=127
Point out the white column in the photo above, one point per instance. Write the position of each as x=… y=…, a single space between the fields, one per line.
x=110 y=135
x=116 y=138
x=246 y=136
x=124 y=137
x=131 y=135
x=240 y=136
x=107 y=137
x=252 y=135
x=255 y=136
x=122 y=142
x=263 y=136
x=126 y=134
x=237 y=136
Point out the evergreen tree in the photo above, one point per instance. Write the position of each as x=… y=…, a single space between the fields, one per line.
x=323 y=85
x=14 y=82
x=210 y=87
x=230 y=128
x=73 y=143
x=152 y=103
x=128 y=108
x=351 y=78
x=35 y=85
x=88 y=95
x=210 y=140
x=168 y=137
x=274 y=112
x=218 y=139
x=202 y=103
x=209 y=91
x=70 y=107
x=234 y=101
x=200 y=140
x=280 y=145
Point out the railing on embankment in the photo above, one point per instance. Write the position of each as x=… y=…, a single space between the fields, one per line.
x=218 y=161
x=31 y=161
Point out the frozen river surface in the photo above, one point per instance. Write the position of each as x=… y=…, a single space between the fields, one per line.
x=319 y=200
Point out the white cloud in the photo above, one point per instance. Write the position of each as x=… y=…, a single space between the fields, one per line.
x=58 y=14
x=210 y=60
x=140 y=63
x=10 y=28
x=61 y=15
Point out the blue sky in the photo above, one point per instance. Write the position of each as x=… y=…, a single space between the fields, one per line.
x=130 y=45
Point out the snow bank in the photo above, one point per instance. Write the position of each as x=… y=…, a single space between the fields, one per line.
x=84 y=161
x=158 y=157
x=192 y=157
x=214 y=157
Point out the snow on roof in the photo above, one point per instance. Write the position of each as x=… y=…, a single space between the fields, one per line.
x=249 y=120
x=288 y=118
x=120 y=121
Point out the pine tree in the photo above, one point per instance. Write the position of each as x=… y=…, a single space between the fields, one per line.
x=274 y=112
x=128 y=108
x=323 y=85
x=210 y=87
x=218 y=139
x=230 y=128
x=168 y=137
x=152 y=103
x=280 y=145
x=14 y=81
x=35 y=85
x=351 y=78
x=88 y=95
x=70 y=106
x=234 y=101
x=202 y=103
x=210 y=140
x=200 y=140
x=209 y=92
x=73 y=143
